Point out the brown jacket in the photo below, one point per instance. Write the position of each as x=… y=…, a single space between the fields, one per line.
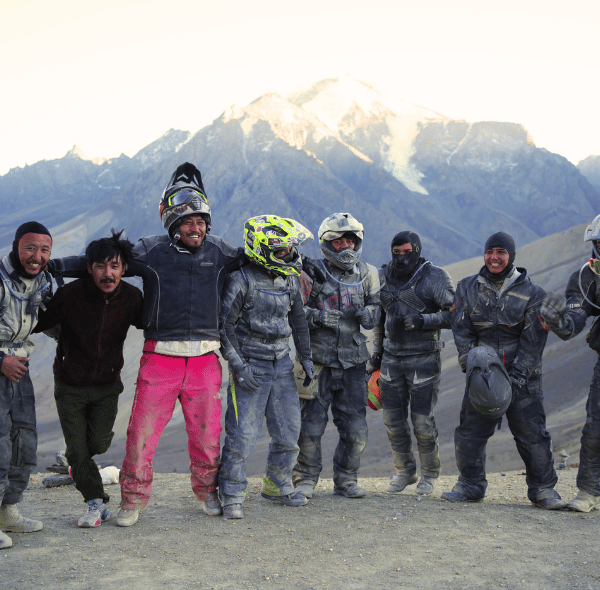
x=93 y=329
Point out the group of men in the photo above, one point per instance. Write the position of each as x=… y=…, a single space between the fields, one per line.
x=201 y=295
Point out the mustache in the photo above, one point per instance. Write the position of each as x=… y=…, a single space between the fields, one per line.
x=108 y=281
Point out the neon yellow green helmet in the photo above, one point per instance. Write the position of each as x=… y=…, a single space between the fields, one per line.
x=265 y=235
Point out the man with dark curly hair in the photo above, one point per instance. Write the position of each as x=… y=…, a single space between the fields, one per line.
x=94 y=315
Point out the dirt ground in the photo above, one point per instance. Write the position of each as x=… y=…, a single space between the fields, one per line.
x=379 y=542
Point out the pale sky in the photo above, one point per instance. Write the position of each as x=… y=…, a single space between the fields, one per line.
x=113 y=76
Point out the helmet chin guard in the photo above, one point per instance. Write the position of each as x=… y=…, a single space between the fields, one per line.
x=333 y=228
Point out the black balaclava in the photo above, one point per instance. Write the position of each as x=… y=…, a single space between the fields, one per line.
x=403 y=265
x=500 y=240
x=29 y=227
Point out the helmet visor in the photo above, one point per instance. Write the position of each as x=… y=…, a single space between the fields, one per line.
x=183 y=196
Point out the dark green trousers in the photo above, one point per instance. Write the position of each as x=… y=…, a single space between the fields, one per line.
x=87 y=416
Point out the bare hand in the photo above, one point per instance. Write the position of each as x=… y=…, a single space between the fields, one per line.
x=14 y=367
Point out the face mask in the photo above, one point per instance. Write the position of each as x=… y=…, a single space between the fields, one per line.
x=404 y=264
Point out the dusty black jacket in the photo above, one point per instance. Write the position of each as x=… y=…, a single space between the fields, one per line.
x=429 y=292
x=92 y=330
x=508 y=321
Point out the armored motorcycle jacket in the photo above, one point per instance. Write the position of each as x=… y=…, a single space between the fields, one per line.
x=260 y=312
x=348 y=291
x=428 y=292
x=20 y=301
x=507 y=319
x=583 y=301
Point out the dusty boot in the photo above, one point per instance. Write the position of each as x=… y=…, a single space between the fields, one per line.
x=12 y=522
x=549 y=499
x=399 y=482
x=406 y=468
x=426 y=485
x=306 y=489
x=350 y=490
x=5 y=541
x=430 y=471
x=233 y=511
x=584 y=502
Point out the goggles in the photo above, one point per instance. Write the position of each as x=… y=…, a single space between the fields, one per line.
x=283 y=242
x=183 y=196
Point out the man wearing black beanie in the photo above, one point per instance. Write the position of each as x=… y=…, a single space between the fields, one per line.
x=24 y=287
x=499 y=307
x=416 y=297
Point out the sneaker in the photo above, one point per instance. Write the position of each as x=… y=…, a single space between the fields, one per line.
x=350 y=490
x=293 y=499
x=211 y=507
x=399 y=482
x=127 y=517
x=425 y=486
x=584 y=502
x=549 y=500
x=12 y=522
x=5 y=541
x=305 y=489
x=233 y=511
x=97 y=513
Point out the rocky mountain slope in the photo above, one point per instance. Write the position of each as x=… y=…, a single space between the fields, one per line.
x=337 y=146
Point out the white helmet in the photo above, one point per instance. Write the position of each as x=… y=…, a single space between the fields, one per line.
x=592 y=232
x=334 y=227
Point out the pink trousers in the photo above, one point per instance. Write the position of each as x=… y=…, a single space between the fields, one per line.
x=162 y=380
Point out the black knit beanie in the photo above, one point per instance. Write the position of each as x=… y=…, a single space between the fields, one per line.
x=29 y=227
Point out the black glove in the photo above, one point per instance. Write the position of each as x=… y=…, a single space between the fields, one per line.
x=386 y=297
x=313 y=269
x=518 y=383
x=374 y=363
x=246 y=378
x=309 y=369
x=552 y=312
x=364 y=317
x=330 y=318
x=413 y=322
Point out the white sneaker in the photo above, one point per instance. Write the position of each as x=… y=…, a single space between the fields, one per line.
x=127 y=517
x=12 y=522
x=5 y=541
x=211 y=507
x=97 y=513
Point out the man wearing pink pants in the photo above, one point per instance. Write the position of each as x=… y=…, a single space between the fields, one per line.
x=163 y=379
x=183 y=275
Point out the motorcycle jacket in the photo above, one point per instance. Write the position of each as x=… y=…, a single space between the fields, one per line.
x=430 y=293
